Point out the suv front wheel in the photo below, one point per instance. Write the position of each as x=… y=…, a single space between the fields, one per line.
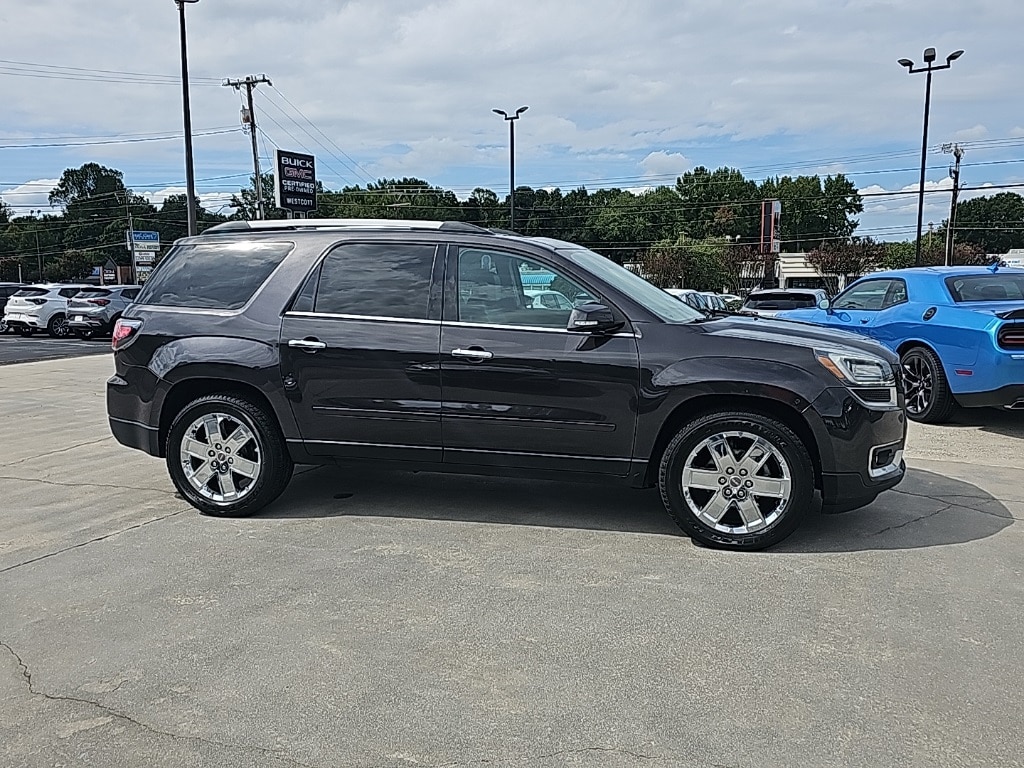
x=736 y=480
x=226 y=456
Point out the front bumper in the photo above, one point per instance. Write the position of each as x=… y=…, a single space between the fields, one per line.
x=862 y=453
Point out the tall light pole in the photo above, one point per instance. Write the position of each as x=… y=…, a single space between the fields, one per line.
x=511 y=120
x=190 y=174
x=929 y=59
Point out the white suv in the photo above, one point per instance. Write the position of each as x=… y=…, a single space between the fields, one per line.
x=41 y=308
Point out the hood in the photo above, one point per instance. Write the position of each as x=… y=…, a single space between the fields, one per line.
x=796 y=334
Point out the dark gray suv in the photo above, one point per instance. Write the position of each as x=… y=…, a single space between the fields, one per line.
x=416 y=345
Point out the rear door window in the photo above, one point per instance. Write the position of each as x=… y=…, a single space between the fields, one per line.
x=376 y=280
x=213 y=275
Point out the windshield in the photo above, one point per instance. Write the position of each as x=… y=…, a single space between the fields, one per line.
x=781 y=301
x=1004 y=287
x=656 y=301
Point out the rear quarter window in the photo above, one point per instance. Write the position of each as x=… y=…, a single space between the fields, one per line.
x=992 y=287
x=213 y=275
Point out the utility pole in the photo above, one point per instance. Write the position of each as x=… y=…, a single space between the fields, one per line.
x=249 y=83
x=954 y=174
x=39 y=257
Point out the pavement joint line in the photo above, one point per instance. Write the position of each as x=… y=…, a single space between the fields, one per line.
x=120 y=487
x=94 y=540
x=26 y=676
x=57 y=450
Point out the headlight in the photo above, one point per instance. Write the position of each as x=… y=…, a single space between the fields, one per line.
x=857 y=369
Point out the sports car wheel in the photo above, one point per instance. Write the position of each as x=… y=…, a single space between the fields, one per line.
x=926 y=389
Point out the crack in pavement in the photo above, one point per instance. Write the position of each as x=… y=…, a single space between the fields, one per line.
x=26 y=676
x=94 y=540
x=569 y=751
x=1008 y=516
x=915 y=520
x=57 y=450
x=121 y=487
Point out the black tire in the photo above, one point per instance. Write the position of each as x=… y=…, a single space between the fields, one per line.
x=785 y=515
x=58 y=326
x=931 y=401
x=26 y=332
x=275 y=464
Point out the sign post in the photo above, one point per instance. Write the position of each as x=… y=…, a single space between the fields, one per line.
x=294 y=182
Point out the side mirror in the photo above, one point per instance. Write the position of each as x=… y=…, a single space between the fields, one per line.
x=825 y=304
x=593 y=318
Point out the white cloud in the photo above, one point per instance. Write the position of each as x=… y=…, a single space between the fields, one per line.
x=30 y=196
x=974 y=133
x=661 y=163
x=1017 y=132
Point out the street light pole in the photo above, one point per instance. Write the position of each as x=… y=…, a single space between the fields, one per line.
x=190 y=176
x=511 y=161
x=929 y=59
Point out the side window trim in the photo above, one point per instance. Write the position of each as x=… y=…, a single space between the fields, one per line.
x=313 y=277
x=861 y=284
x=896 y=284
x=451 y=291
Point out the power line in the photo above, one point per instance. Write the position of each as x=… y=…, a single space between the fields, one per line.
x=139 y=140
x=355 y=166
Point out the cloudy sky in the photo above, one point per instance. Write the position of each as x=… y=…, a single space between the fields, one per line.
x=626 y=94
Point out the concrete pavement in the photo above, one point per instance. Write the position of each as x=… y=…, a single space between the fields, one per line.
x=400 y=620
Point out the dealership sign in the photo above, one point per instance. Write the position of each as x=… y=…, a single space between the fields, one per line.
x=294 y=181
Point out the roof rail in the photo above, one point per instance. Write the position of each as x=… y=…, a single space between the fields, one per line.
x=282 y=225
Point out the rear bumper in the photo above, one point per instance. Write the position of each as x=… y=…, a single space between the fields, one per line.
x=21 y=320
x=90 y=322
x=135 y=435
x=1004 y=397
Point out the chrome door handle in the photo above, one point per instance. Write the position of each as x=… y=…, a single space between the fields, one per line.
x=473 y=354
x=309 y=344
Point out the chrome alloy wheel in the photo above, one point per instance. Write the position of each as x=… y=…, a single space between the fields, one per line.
x=736 y=482
x=221 y=457
x=918 y=384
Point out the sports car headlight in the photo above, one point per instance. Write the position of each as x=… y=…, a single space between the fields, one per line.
x=857 y=369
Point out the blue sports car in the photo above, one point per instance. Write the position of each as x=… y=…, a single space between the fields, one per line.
x=958 y=330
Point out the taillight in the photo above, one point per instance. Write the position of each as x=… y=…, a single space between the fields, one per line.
x=124 y=330
x=37 y=302
x=99 y=302
x=1011 y=336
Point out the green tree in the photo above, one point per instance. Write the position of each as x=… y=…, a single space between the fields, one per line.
x=994 y=223
x=718 y=203
x=837 y=262
x=813 y=212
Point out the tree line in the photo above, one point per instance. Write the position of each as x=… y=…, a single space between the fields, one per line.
x=702 y=232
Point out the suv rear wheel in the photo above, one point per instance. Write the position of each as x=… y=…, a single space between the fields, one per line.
x=226 y=456
x=58 y=327
x=736 y=480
